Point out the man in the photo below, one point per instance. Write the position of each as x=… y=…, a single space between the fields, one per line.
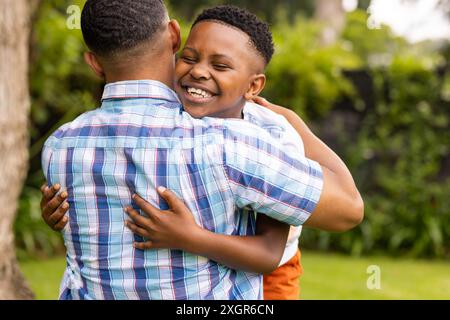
x=139 y=140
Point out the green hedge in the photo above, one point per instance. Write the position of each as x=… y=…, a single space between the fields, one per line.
x=399 y=149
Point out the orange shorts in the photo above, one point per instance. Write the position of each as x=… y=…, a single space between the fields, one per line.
x=283 y=283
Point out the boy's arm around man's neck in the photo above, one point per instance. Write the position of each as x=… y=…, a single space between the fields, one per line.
x=341 y=206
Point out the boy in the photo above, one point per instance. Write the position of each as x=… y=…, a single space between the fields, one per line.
x=213 y=60
x=215 y=76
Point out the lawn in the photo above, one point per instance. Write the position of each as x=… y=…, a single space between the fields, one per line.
x=326 y=276
x=330 y=276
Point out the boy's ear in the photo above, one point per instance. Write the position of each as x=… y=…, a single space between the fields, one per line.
x=95 y=65
x=175 y=35
x=257 y=84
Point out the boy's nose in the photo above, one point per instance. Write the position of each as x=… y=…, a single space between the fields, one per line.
x=200 y=72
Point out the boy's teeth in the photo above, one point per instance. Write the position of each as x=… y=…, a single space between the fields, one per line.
x=198 y=93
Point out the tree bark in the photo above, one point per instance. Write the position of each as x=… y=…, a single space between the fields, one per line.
x=14 y=109
x=331 y=14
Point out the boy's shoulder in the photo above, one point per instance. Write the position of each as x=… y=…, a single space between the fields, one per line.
x=275 y=124
x=263 y=117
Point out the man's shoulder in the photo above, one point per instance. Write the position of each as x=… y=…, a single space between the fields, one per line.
x=239 y=129
x=65 y=128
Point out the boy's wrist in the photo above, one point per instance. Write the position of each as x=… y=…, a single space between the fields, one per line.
x=195 y=241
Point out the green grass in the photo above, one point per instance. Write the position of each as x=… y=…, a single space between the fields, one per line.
x=44 y=276
x=326 y=276
x=331 y=276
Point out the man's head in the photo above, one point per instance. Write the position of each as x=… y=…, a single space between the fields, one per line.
x=123 y=35
x=222 y=63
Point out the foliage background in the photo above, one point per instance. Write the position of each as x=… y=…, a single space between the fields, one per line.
x=381 y=103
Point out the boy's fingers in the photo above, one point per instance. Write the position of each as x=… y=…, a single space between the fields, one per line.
x=44 y=200
x=146 y=207
x=58 y=214
x=137 y=230
x=260 y=100
x=48 y=193
x=51 y=191
x=61 y=224
x=265 y=103
x=143 y=245
x=137 y=218
x=171 y=198
x=54 y=204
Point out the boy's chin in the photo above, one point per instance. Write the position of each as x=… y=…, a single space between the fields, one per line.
x=196 y=112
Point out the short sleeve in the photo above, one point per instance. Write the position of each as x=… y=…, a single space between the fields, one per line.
x=270 y=177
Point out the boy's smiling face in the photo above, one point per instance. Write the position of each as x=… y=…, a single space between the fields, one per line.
x=217 y=71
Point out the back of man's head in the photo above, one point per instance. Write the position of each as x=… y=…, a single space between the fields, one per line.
x=113 y=27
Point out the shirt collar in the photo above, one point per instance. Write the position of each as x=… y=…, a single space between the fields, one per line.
x=139 y=89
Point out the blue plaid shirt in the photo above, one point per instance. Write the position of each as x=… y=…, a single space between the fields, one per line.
x=140 y=139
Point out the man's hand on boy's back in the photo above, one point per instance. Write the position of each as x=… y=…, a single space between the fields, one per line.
x=54 y=206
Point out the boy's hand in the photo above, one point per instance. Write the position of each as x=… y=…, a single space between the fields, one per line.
x=54 y=206
x=169 y=229
x=275 y=108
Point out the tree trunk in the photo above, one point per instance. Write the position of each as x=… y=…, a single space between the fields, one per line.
x=14 y=108
x=331 y=14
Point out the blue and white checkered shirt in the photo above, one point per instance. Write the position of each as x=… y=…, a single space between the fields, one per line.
x=141 y=139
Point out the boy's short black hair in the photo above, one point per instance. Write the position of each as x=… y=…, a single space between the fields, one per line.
x=114 y=26
x=257 y=30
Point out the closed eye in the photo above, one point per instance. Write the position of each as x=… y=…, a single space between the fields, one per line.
x=188 y=60
x=221 y=67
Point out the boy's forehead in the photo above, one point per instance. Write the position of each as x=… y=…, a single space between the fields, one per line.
x=224 y=37
x=219 y=31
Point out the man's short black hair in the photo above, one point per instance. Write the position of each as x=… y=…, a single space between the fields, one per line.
x=257 y=30
x=114 y=26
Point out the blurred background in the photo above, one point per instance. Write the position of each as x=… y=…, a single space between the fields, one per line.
x=371 y=78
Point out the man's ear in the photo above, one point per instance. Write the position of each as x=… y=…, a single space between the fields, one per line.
x=175 y=35
x=258 y=81
x=95 y=65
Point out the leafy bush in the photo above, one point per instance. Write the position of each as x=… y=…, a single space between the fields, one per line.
x=33 y=236
x=398 y=157
x=303 y=74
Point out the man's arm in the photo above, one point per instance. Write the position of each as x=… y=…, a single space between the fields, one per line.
x=340 y=207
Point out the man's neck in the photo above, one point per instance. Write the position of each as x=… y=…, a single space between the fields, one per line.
x=139 y=77
x=162 y=71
